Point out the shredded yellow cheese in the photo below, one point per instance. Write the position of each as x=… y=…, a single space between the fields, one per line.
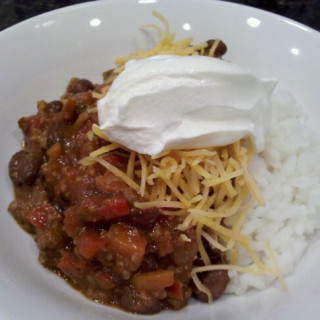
x=165 y=45
x=185 y=237
x=274 y=260
x=206 y=186
x=230 y=267
x=159 y=204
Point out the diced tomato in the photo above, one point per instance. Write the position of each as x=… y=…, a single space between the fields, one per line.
x=88 y=244
x=43 y=216
x=104 y=280
x=153 y=281
x=116 y=160
x=109 y=182
x=69 y=111
x=37 y=218
x=72 y=267
x=100 y=208
x=114 y=207
x=94 y=209
x=128 y=242
x=175 y=291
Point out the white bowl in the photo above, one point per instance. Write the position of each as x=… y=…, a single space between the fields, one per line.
x=40 y=55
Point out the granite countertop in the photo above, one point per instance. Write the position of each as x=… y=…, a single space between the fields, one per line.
x=304 y=11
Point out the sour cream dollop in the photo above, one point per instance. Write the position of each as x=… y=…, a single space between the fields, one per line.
x=173 y=102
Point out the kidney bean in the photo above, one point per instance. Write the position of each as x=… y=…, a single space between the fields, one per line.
x=216 y=281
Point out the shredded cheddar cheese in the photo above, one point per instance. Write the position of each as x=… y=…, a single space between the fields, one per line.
x=203 y=186
x=207 y=186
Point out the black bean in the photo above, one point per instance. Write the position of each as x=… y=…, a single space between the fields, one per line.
x=24 y=168
x=81 y=85
x=54 y=106
x=150 y=263
x=220 y=50
x=143 y=219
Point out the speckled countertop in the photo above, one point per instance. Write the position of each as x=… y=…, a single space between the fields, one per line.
x=304 y=11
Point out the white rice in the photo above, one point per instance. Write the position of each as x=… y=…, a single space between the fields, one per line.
x=288 y=173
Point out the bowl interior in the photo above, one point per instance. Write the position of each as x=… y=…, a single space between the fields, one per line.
x=38 y=58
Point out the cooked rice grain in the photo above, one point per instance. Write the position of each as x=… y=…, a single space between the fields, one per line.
x=288 y=173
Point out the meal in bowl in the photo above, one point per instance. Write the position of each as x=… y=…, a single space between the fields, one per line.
x=140 y=227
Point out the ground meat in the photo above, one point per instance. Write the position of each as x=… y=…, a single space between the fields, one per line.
x=84 y=221
x=136 y=302
x=185 y=251
x=54 y=134
x=47 y=223
x=54 y=106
